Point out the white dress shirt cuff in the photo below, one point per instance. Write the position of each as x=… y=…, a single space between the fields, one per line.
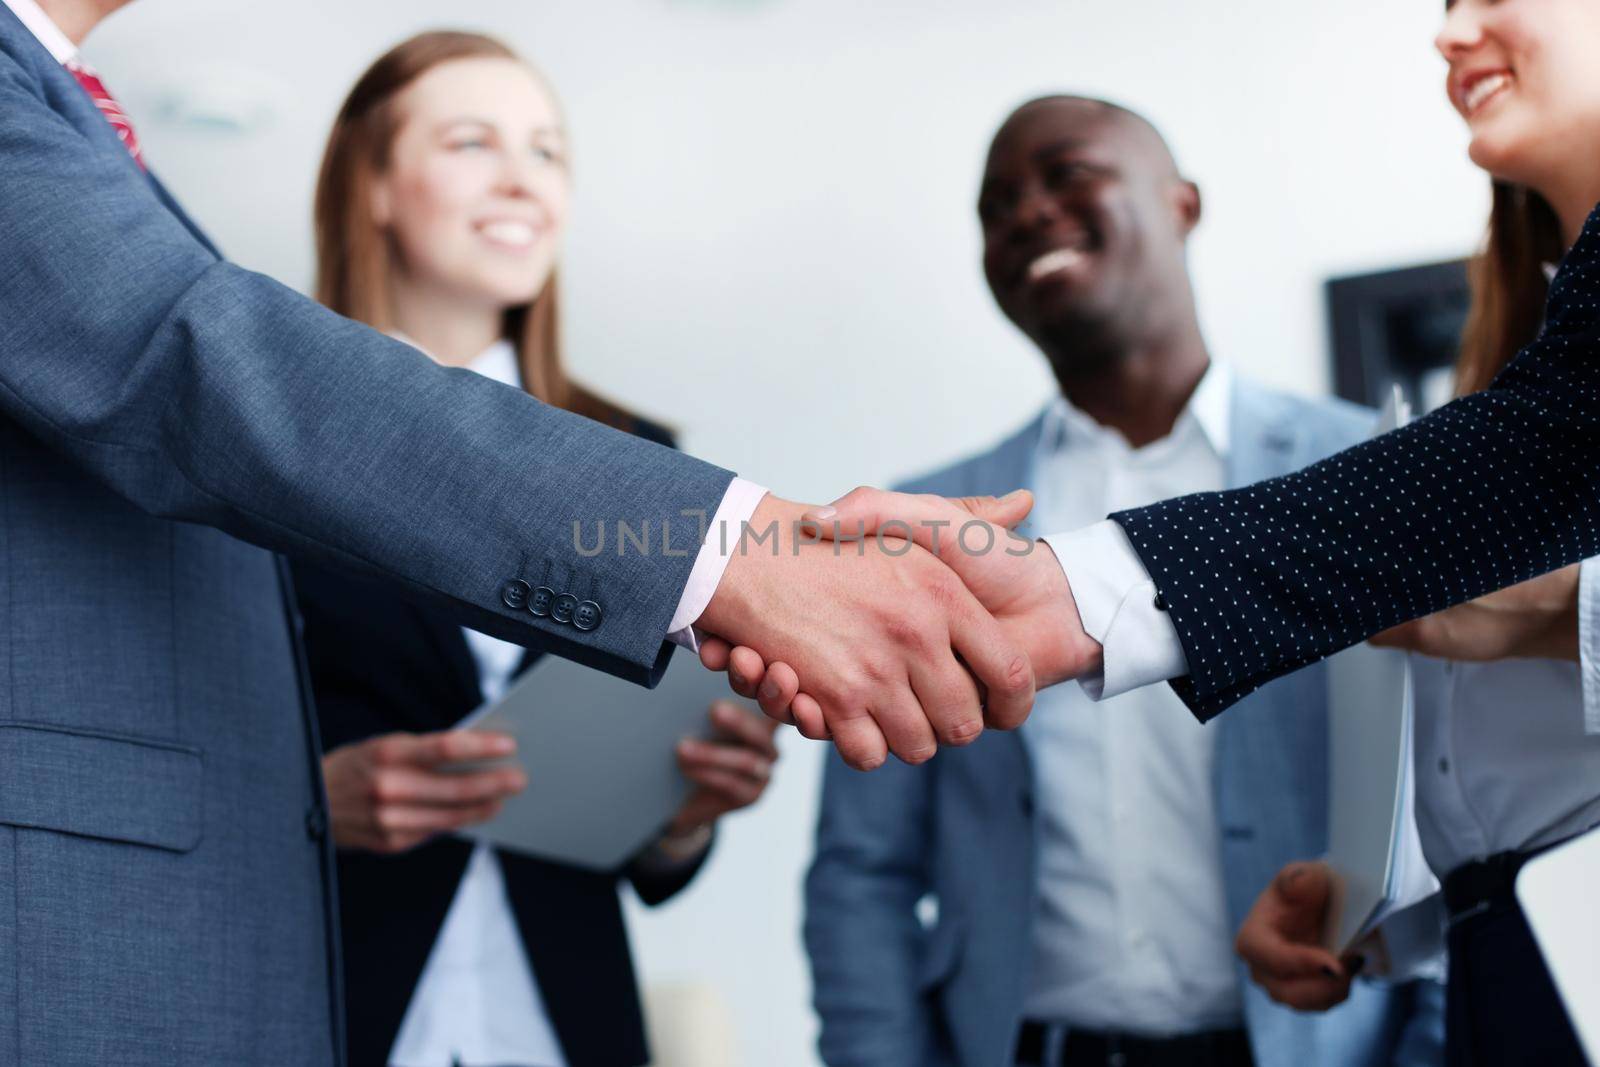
x=722 y=538
x=1589 y=641
x=1117 y=603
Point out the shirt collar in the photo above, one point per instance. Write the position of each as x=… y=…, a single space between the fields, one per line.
x=1210 y=407
x=58 y=44
x=498 y=362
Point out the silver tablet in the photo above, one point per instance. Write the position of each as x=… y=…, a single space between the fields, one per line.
x=603 y=776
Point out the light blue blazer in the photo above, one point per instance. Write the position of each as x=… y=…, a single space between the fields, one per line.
x=962 y=828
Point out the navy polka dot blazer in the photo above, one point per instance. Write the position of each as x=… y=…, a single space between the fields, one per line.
x=1488 y=491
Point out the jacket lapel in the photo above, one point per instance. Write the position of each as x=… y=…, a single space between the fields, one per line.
x=1266 y=441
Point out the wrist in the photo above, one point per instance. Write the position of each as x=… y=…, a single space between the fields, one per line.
x=770 y=530
x=684 y=844
x=1057 y=643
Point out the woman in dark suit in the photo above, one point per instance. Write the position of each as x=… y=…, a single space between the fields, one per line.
x=439 y=210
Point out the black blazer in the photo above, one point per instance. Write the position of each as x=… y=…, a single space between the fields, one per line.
x=380 y=663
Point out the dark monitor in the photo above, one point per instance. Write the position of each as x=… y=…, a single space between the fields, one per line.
x=1398 y=327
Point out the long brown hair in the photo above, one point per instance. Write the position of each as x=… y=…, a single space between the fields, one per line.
x=355 y=257
x=1509 y=287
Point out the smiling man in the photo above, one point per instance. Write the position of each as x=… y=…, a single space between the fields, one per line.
x=1090 y=869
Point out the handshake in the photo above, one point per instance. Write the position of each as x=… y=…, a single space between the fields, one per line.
x=894 y=623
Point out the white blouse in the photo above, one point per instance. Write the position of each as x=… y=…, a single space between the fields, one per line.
x=478 y=1002
x=1508 y=753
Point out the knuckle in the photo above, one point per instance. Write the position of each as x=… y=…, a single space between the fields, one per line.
x=963 y=731
x=1018 y=676
x=383 y=788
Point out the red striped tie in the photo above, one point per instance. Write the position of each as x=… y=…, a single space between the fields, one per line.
x=108 y=106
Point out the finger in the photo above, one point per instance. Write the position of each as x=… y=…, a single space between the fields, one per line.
x=734 y=723
x=778 y=691
x=409 y=786
x=714 y=652
x=731 y=758
x=1305 y=889
x=867 y=510
x=856 y=735
x=459 y=746
x=949 y=699
x=1282 y=960
x=998 y=664
x=1005 y=511
x=746 y=671
x=893 y=708
x=394 y=822
x=808 y=718
x=1318 y=994
x=733 y=790
x=1408 y=636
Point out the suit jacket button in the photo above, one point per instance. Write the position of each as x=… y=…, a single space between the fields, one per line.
x=316 y=822
x=514 y=594
x=1160 y=602
x=539 y=602
x=564 y=606
x=586 y=616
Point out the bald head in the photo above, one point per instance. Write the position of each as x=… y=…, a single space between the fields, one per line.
x=1085 y=219
x=1136 y=132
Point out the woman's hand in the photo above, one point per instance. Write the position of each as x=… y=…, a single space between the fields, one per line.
x=1281 y=940
x=730 y=771
x=1537 y=619
x=389 y=793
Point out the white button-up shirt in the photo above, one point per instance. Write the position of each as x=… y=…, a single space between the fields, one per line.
x=478 y=1003
x=1131 y=929
x=1505 y=760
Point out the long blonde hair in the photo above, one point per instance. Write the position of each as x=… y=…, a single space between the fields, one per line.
x=355 y=258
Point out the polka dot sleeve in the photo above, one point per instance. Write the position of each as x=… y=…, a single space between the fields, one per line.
x=1490 y=490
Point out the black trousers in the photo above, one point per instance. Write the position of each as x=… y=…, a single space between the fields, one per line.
x=1501 y=1008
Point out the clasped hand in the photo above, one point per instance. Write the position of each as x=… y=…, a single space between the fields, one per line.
x=895 y=623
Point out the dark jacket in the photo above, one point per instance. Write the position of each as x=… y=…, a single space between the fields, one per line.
x=380 y=664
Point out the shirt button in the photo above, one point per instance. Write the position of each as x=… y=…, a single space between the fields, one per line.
x=316 y=822
x=1444 y=765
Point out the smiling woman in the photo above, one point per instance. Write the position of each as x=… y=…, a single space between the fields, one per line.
x=446 y=184
x=440 y=211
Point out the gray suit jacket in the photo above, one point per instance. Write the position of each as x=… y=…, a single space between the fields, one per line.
x=891 y=994
x=168 y=421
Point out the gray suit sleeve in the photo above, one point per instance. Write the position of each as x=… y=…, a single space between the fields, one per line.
x=874 y=842
x=205 y=393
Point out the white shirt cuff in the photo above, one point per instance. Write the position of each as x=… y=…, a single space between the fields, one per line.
x=722 y=537
x=1117 y=603
x=1589 y=641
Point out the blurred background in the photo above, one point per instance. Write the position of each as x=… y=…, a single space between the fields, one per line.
x=774 y=249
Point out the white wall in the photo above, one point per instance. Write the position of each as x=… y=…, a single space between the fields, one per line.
x=775 y=250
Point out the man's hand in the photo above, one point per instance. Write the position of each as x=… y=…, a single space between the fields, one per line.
x=389 y=793
x=1281 y=940
x=885 y=638
x=1537 y=619
x=730 y=771
x=1018 y=581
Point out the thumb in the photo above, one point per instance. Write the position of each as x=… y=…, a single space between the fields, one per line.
x=1305 y=886
x=1004 y=511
